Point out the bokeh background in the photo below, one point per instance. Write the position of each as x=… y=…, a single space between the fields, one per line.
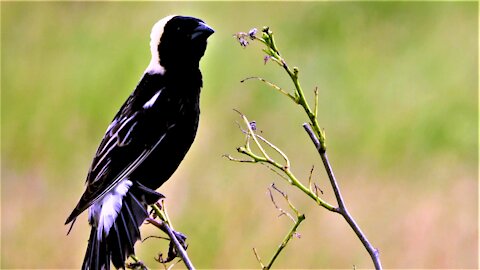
x=398 y=100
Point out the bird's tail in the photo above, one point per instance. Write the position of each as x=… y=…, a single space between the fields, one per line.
x=118 y=244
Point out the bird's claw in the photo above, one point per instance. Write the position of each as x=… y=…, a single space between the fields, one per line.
x=172 y=251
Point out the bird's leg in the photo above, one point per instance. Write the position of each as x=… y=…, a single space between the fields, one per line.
x=182 y=238
x=172 y=247
x=137 y=264
x=172 y=250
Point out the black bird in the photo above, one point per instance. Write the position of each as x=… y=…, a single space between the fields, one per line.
x=145 y=143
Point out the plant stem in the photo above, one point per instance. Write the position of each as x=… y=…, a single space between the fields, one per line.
x=164 y=225
x=284 y=243
x=284 y=168
x=342 y=209
x=181 y=251
x=316 y=135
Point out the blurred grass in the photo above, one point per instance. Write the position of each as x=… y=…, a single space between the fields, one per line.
x=398 y=99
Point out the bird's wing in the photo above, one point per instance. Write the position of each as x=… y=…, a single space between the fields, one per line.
x=120 y=152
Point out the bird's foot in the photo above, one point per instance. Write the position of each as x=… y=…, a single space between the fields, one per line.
x=172 y=250
x=136 y=265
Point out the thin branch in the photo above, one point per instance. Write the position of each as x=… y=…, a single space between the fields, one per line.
x=258 y=258
x=285 y=241
x=165 y=225
x=229 y=157
x=342 y=209
x=282 y=212
x=310 y=179
x=276 y=172
x=274 y=86
x=181 y=251
x=293 y=230
x=252 y=133
x=274 y=147
x=156 y=237
x=317 y=135
x=163 y=209
x=285 y=196
x=264 y=158
x=317 y=189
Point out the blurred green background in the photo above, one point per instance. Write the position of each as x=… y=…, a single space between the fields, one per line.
x=398 y=100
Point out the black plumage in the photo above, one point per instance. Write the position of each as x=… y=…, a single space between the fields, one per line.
x=145 y=143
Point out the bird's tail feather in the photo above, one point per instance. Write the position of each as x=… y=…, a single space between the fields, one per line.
x=118 y=245
x=96 y=256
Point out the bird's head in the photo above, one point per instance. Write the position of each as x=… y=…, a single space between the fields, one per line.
x=177 y=42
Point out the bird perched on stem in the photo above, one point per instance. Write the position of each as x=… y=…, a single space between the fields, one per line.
x=145 y=142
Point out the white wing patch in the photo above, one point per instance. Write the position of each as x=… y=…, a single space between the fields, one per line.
x=105 y=211
x=122 y=176
x=150 y=103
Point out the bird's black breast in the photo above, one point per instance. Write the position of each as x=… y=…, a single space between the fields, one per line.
x=172 y=122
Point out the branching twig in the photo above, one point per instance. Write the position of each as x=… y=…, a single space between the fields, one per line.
x=292 y=232
x=258 y=258
x=342 y=209
x=266 y=159
x=274 y=86
x=313 y=129
x=155 y=236
x=177 y=247
x=165 y=225
x=284 y=243
x=282 y=212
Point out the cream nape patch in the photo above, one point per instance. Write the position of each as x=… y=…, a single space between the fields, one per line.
x=157 y=30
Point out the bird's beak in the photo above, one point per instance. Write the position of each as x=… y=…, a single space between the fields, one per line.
x=202 y=30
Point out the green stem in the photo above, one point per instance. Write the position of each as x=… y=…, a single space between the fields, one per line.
x=299 y=94
x=291 y=177
x=307 y=191
x=302 y=101
x=319 y=139
x=161 y=214
x=285 y=241
x=166 y=226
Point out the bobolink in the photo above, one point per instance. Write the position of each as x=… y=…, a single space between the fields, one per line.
x=145 y=143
